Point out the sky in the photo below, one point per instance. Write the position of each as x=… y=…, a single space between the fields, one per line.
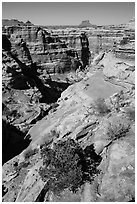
x=69 y=13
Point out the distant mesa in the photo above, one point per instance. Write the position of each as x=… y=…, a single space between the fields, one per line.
x=86 y=23
x=15 y=22
x=28 y=23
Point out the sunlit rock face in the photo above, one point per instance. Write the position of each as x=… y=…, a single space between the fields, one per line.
x=71 y=34
x=78 y=117
x=57 y=56
x=95 y=108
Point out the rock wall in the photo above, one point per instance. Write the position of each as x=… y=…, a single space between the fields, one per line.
x=28 y=33
x=71 y=35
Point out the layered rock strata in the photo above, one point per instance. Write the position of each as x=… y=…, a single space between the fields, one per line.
x=98 y=111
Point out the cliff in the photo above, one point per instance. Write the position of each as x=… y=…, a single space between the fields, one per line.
x=98 y=114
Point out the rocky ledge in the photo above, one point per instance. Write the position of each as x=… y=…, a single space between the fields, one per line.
x=98 y=115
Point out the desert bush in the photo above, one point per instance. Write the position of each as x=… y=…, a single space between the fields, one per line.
x=117 y=130
x=62 y=165
x=67 y=165
x=101 y=106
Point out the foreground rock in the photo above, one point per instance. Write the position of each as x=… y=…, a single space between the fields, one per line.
x=122 y=71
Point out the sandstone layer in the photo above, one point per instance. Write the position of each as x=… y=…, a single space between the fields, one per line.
x=96 y=112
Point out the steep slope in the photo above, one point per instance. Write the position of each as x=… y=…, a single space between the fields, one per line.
x=98 y=114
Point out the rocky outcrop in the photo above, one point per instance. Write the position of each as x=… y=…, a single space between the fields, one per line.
x=119 y=71
x=71 y=34
x=12 y=22
x=57 y=58
x=126 y=51
x=117 y=183
x=80 y=116
x=85 y=23
x=21 y=99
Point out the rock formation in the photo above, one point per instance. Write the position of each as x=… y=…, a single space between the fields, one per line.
x=94 y=109
x=70 y=35
x=85 y=23
x=15 y=22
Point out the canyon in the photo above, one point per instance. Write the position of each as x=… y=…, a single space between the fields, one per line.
x=47 y=100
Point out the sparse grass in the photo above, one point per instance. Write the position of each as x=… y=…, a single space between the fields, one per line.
x=130 y=112
x=117 y=130
x=101 y=107
x=54 y=133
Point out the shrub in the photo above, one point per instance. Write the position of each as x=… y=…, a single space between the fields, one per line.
x=62 y=166
x=67 y=165
x=117 y=130
x=101 y=106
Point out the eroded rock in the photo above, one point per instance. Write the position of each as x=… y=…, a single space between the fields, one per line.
x=109 y=137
